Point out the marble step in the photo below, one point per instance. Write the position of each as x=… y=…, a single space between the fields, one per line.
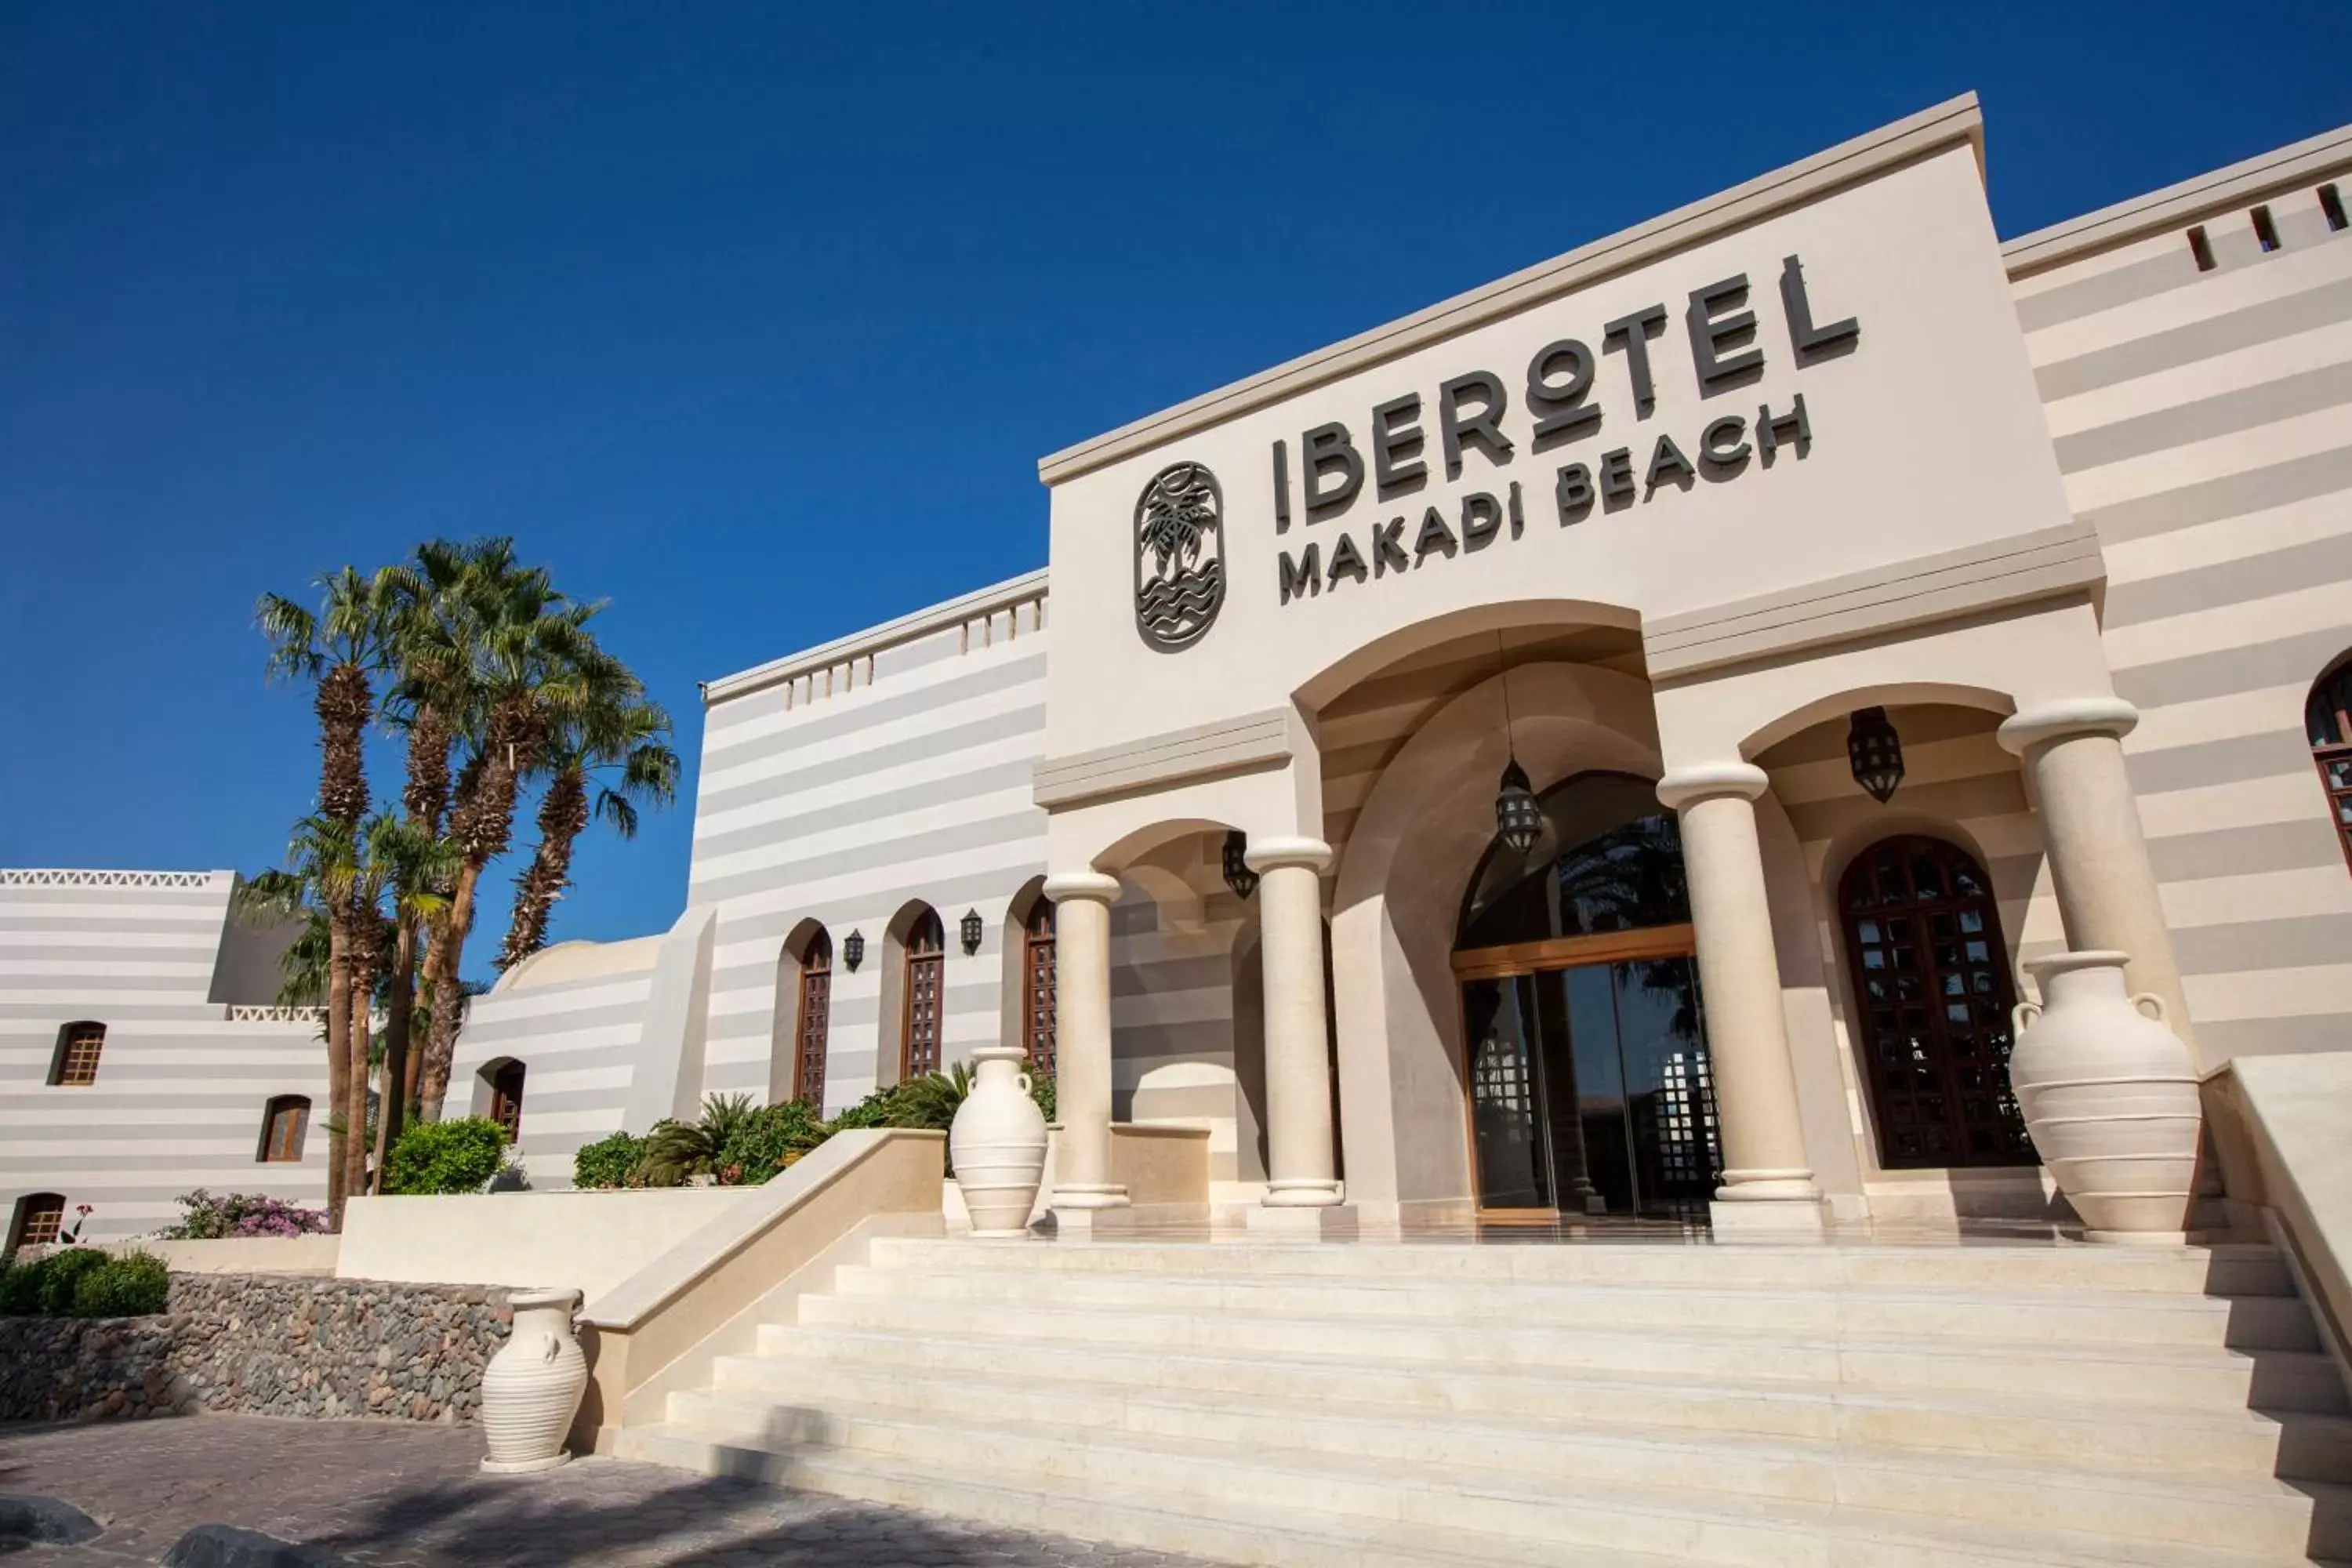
x=1475 y=1516
x=2269 y=1322
x=1567 y=1449
x=2163 y=1374
x=2238 y=1269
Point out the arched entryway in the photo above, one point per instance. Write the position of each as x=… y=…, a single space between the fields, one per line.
x=1589 y=1088
x=1932 y=998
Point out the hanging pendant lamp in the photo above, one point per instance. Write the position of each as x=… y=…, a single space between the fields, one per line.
x=1518 y=816
x=1875 y=752
x=1235 y=858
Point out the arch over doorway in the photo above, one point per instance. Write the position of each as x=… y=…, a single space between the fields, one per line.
x=1589 y=1086
x=914 y=993
x=1028 y=980
x=802 y=1029
x=1932 y=998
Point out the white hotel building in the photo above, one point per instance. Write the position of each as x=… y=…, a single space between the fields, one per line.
x=1669 y=522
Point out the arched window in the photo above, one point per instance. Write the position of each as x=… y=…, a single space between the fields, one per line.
x=1037 y=988
x=919 y=1052
x=811 y=1032
x=79 y=1048
x=2328 y=720
x=283 y=1127
x=1933 y=997
x=506 y=1095
x=41 y=1218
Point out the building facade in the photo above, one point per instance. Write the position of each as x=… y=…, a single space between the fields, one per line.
x=1601 y=745
x=141 y=1056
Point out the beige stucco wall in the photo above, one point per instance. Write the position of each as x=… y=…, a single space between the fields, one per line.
x=590 y=1240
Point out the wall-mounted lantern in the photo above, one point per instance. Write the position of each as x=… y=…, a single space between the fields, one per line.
x=1875 y=752
x=1238 y=874
x=853 y=950
x=971 y=932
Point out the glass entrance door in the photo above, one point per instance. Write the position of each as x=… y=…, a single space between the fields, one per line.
x=1589 y=1089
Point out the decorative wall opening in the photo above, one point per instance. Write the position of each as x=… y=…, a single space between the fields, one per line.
x=2328 y=721
x=79 y=1045
x=924 y=985
x=1037 y=988
x=1590 y=1090
x=1932 y=999
x=39 y=1219
x=504 y=1077
x=284 y=1125
x=813 y=1020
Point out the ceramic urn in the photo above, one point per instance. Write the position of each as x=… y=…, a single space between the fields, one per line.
x=2109 y=1095
x=531 y=1388
x=998 y=1143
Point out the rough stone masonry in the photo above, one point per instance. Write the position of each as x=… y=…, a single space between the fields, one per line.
x=270 y=1344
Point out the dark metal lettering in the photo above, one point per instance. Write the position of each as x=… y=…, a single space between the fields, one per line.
x=1396 y=448
x=1388 y=554
x=1730 y=428
x=1717 y=339
x=1809 y=339
x=1776 y=430
x=1482 y=429
x=1433 y=535
x=1631 y=336
x=1281 y=487
x=1573 y=493
x=1559 y=408
x=1482 y=519
x=1325 y=450
x=1306 y=578
x=1346 y=561
x=1617 y=475
x=1518 y=514
x=1667 y=466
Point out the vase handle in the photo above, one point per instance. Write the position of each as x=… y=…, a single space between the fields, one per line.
x=554 y=1347
x=1025 y=1088
x=2023 y=1017
x=2150 y=1003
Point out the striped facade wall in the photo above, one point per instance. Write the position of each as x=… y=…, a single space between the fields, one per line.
x=2203 y=422
x=847 y=796
x=582 y=1042
x=191 y=1059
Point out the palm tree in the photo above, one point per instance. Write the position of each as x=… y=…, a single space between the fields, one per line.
x=317 y=885
x=402 y=872
x=341 y=645
x=532 y=656
x=613 y=731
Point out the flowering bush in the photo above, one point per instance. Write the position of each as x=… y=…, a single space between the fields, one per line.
x=204 y=1217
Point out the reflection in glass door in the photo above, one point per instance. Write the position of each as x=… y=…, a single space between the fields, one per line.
x=1590 y=1091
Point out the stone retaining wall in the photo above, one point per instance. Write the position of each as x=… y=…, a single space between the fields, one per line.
x=268 y=1345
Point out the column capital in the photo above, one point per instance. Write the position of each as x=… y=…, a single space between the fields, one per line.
x=1684 y=785
x=2072 y=716
x=1267 y=853
x=1091 y=885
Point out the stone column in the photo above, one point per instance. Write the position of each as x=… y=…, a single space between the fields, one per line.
x=1768 y=1184
x=1082 y=902
x=2107 y=898
x=1297 y=1029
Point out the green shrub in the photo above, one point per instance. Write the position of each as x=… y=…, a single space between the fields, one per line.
x=1041 y=1089
x=608 y=1161
x=61 y=1276
x=20 y=1289
x=758 y=1146
x=123 y=1285
x=458 y=1156
x=677 y=1150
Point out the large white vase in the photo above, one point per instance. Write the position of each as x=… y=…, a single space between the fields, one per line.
x=2110 y=1096
x=531 y=1388
x=998 y=1143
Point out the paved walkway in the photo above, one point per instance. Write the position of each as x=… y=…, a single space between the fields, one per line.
x=392 y=1493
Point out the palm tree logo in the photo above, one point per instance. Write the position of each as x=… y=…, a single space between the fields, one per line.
x=1179 y=571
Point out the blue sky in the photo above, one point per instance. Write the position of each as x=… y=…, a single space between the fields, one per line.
x=754 y=319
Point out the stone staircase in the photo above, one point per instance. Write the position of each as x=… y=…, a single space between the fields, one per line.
x=1373 y=1406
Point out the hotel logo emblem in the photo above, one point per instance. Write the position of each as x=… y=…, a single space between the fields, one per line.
x=1180 y=555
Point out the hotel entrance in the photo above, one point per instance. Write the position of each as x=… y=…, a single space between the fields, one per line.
x=1590 y=1094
